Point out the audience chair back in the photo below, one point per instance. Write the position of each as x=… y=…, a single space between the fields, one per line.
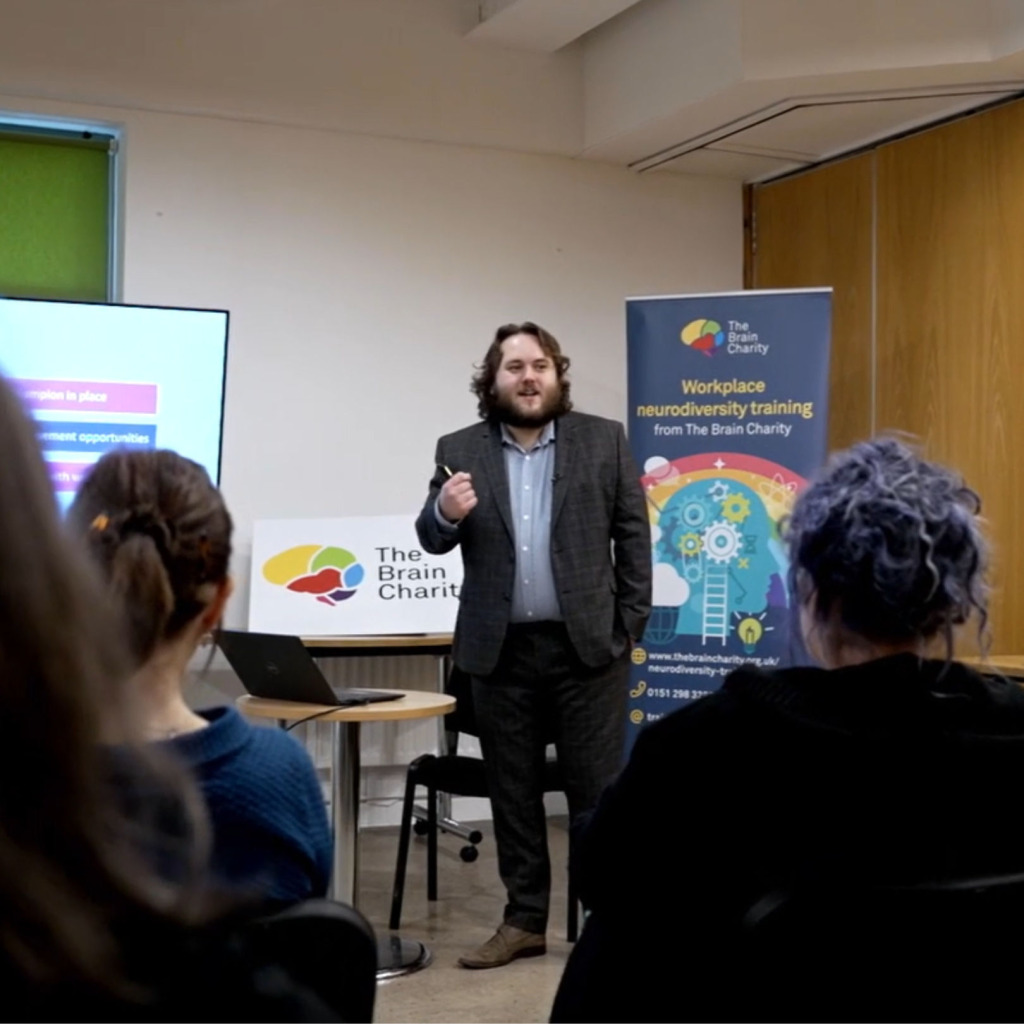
x=936 y=951
x=328 y=947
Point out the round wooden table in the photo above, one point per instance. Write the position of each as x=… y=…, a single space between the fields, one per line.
x=390 y=644
x=395 y=955
x=399 y=644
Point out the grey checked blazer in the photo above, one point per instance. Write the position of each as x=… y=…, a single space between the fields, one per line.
x=600 y=540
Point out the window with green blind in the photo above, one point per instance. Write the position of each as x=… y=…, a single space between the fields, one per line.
x=55 y=214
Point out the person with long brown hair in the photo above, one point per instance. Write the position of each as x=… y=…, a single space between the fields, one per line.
x=90 y=926
x=161 y=535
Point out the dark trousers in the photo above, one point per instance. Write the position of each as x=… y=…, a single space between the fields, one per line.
x=539 y=693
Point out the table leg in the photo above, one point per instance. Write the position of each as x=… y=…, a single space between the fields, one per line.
x=345 y=810
x=395 y=955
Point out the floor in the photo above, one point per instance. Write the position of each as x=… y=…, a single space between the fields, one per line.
x=469 y=908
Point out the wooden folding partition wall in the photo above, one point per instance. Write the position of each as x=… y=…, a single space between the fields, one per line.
x=923 y=241
x=816 y=230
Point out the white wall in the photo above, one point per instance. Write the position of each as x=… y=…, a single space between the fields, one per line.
x=379 y=67
x=364 y=277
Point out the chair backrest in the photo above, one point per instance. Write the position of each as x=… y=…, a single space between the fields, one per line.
x=463 y=719
x=946 y=950
x=328 y=947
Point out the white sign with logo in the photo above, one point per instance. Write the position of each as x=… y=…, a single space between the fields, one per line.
x=364 y=575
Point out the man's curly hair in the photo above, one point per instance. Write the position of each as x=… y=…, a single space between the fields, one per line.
x=482 y=384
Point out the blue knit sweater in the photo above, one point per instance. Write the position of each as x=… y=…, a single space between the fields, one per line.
x=270 y=830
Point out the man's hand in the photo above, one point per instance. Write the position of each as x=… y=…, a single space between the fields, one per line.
x=457 y=498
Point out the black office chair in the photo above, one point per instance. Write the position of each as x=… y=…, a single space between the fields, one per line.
x=456 y=775
x=939 y=950
x=329 y=948
x=836 y=950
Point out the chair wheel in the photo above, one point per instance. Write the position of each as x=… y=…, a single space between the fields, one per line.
x=469 y=854
x=420 y=827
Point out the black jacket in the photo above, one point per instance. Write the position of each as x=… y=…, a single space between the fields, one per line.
x=600 y=540
x=896 y=771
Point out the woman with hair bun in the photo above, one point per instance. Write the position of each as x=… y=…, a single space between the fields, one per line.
x=161 y=535
x=91 y=925
x=889 y=765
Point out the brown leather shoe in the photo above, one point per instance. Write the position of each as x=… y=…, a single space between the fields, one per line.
x=508 y=943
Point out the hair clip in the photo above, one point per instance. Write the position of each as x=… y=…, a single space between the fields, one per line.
x=101 y=522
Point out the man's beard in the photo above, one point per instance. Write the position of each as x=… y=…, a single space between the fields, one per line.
x=507 y=412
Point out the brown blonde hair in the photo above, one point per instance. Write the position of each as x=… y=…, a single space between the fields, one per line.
x=482 y=384
x=160 y=532
x=73 y=865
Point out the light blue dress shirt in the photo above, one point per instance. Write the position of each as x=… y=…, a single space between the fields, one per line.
x=530 y=473
x=530 y=478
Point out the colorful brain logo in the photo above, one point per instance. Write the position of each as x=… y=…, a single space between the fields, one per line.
x=329 y=574
x=703 y=335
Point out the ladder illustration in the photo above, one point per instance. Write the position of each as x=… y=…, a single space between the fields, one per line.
x=716 y=604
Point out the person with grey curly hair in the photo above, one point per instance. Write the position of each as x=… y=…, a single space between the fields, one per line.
x=887 y=554
x=887 y=764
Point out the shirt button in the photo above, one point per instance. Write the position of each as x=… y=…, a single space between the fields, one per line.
x=526 y=582
x=525 y=548
x=526 y=515
x=527 y=458
x=529 y=615
x=526 y=487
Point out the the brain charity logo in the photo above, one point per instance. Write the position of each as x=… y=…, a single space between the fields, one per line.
x=329 y=574
x=703 y=335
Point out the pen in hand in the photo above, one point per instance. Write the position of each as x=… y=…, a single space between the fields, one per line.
x=457 y=497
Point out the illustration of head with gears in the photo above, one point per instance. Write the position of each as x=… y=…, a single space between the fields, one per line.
x=718 y=563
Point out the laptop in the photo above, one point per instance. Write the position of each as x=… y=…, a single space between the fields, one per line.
x=280 y=668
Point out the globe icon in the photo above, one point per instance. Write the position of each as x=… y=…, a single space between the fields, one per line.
x=661 y=627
